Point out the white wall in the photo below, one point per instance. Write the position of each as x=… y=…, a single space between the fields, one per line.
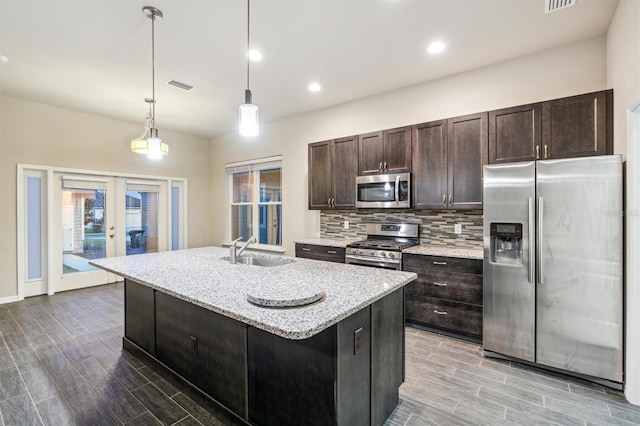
x=34 y=133
x=623 y=74
x=566 y=71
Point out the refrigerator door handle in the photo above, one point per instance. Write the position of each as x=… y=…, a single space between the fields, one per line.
x=532 y=215
x=540 y=223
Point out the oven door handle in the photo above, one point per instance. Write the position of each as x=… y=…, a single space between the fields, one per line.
x=368 y=261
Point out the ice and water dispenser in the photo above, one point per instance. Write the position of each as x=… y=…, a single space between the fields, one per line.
x=506 y=243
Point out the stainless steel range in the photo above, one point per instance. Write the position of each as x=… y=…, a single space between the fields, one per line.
x=383 y=246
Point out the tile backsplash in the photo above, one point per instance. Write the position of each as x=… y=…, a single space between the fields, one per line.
x=436 y=226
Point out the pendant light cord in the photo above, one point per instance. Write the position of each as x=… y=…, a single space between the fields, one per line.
x=248 y=43
x=153 y=74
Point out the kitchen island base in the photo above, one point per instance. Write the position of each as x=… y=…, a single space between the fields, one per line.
x=347 y=374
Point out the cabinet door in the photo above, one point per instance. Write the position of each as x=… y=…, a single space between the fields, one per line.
x=397 y=150
x=139 y=308
x=578 y=126
x=467 y=154
x=345 y=170
x=370 y=153
x=515 y=134
x=429 y=165
x=320 y=190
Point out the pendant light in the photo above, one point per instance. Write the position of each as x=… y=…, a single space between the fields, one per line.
x=152 y=146
x=248 y=112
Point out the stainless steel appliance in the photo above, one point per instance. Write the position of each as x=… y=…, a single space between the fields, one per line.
x=384 y=191
x=553 y=264
x=383 y=246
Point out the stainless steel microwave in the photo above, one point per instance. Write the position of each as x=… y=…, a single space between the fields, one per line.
x=391 y=191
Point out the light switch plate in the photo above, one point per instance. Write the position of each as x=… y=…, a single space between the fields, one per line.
x=457 y=229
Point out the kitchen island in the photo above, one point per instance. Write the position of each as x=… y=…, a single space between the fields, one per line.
x=338 y=360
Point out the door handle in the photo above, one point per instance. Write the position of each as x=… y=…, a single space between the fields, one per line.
x=532 y=224
x=111 y=235
x=540 y=227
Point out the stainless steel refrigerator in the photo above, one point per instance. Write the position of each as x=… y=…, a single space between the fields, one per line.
x=553 y=264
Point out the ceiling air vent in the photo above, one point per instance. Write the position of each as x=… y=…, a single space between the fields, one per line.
x=553 y=5
x=180 y=84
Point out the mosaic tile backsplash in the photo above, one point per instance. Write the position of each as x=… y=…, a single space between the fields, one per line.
x=436 y=226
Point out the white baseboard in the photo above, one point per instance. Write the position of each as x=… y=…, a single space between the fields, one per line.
x=9 y=299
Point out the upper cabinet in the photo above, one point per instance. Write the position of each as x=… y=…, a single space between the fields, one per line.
x=515 y=134
x=388 y=151
x=577 y=126
x=448 y=156
x=333 y=167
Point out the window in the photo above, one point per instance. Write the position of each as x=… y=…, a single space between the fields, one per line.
x=255 y=200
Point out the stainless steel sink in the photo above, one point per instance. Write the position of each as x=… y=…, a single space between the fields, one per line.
x=261 y=260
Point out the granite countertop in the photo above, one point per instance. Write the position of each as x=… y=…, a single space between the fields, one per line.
x=202 y=277
x=447 y=251
x=331 y=242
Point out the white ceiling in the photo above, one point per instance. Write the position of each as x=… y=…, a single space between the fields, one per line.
x=95 y=55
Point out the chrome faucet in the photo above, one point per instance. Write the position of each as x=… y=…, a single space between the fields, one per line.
x=233 y=250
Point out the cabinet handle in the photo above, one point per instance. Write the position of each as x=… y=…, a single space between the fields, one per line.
x=439 y=312
x=306 y=249
x=331 y=251
x=537 y=152
x=435 y=262
x=450 y=199
x=545 y=151
x=439 y=284
x=194 y=345
x=444 y=199
x=380 y=167
x=385 y=165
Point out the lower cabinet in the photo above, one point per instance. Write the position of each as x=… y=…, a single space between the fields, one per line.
x=447 y=295
x=318 y=252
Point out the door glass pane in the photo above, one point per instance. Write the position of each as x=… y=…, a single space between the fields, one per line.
x=241 y=219
x=34 y=228
x=270 y=185
x=243 y=187
x=270 y=224
x=83 y=234
x=175 y=218
x=141 y=215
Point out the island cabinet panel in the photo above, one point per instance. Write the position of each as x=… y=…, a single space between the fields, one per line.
x=206 y=348
x=578 y=126
x=515 y=134
x=319 y=252
x=139 y=325
x=446 y=296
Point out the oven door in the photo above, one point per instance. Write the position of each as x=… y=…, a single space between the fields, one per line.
x=383 y=191
x=393 y=264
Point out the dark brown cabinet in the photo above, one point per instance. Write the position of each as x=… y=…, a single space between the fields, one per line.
x=333 y=167
x=388 y=151
x=318 y=252
x=578 y=126
x=448 y=156
x=515 y=134
x=447 y=295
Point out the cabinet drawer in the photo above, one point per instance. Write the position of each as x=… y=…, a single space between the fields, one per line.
x=470 y=266
x=462 y=318
x=327 y=253
x=455 y=286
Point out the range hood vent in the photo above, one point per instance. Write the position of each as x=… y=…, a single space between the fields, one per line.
x=179 y=84
x=554 y=5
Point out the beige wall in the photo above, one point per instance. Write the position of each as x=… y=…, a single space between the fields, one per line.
x=623 y=65
x=551 y=74
x=39 y=134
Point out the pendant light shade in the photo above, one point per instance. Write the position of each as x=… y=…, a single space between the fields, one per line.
x=151 y=146
x=248 y=111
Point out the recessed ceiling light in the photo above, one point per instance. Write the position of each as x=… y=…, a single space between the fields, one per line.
x=3 y=59
x=436 y=47
x=314 y=87
x=255 y=55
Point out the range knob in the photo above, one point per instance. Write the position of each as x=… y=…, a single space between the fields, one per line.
x=391 y=254
x=383 y=254
x=360 y=251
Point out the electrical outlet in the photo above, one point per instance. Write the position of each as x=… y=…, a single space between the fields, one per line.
x=457 y=229
x=345 y=225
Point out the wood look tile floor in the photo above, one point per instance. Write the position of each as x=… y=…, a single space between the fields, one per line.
x=62 y=363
